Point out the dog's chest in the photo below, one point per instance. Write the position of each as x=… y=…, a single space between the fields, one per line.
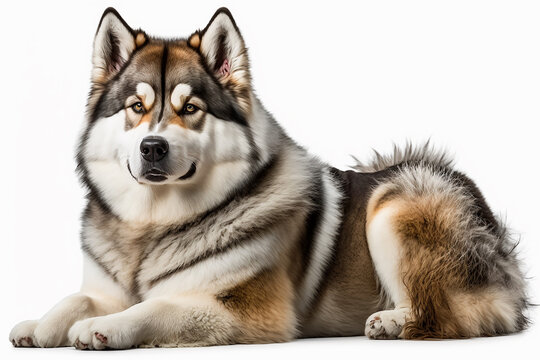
x=215 y=249
x=139 y=258
x=119 y=250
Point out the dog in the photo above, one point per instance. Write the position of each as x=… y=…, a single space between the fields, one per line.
x=206 y=224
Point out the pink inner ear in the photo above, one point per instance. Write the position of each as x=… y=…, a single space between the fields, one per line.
x=115 y=66
x=225 y=68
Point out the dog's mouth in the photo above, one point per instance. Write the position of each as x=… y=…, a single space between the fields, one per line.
x=156 y=175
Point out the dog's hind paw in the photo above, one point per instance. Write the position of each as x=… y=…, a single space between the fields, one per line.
x=386 y=325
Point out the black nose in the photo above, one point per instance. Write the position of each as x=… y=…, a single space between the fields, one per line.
x=154 y=148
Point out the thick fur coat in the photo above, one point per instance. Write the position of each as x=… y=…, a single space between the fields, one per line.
x=206 y=224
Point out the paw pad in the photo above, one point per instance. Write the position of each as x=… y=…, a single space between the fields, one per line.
x=372 y=322
x=24 y=341
x=101 y=338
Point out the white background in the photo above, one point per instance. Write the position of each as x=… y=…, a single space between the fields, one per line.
x=341 y=77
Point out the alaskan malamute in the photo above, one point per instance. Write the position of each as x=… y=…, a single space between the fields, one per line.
x=206 y=224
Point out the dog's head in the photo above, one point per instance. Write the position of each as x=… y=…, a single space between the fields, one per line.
x=166 y=112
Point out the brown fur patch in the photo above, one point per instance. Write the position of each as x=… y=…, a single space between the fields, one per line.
x=177 y=120
x=263 y=305
x=179 y=53
x=195 y=40
x=140 y=39
x=430 y=265
x=146 y=118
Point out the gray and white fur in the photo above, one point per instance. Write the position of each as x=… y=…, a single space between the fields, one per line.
x=206 y=224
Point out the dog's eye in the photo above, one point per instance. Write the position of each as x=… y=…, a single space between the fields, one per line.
x=190 y=109
x=138 y=107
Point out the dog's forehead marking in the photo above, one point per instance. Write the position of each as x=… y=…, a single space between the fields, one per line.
x=146 y=92
x=179 y=93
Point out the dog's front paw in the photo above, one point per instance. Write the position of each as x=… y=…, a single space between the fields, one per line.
x=384 y=325
x=51 y=332
x=102 y=332
x=22 y=334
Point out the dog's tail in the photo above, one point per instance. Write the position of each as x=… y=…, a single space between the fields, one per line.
x=409 y=154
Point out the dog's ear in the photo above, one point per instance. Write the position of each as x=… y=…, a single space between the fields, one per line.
x=114 y=43
x=222 y=47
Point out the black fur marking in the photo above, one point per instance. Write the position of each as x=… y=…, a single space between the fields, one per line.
x=114 y=60
x=190 y=172
x=254 y=151
x=221 y=54
x=313 y=223
x=129 y=169
x=163 y=82
x=113 y=95
x=220 y=102
x=483 y=212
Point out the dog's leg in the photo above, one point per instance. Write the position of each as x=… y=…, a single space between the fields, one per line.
x=386 y=253
x=99 y=296
x=258 y=310
x=158 y=321
x=447 y=267
x=51 y=330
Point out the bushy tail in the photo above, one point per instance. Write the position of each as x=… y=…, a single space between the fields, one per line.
x=408 y=153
